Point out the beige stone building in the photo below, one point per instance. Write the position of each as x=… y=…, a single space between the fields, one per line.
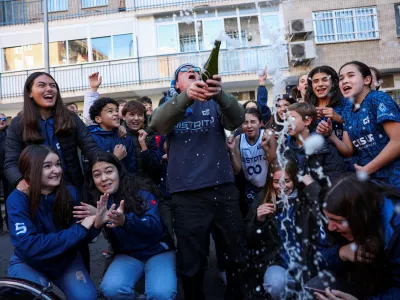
x=342 y=31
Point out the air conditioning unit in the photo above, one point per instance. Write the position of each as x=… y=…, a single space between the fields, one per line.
x=302 y=50
x=301 y=26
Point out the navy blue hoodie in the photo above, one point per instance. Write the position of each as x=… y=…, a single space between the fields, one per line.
x=39 y=242
x=107 y=140
x=140 y=237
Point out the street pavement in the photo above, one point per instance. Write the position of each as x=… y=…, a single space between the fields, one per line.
x=213 y=287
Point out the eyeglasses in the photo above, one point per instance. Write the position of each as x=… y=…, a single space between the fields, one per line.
x=3 y=119
x=195 y=69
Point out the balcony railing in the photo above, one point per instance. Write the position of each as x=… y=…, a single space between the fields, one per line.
x=14 y=12
x=137 y=71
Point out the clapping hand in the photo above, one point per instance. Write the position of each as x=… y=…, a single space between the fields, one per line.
x=116 y=217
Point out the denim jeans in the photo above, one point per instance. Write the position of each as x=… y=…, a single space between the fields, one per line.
x=125 y=271
x=276 y=280
x=75 y=283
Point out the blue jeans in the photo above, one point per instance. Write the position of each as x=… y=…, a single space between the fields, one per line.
x=276 y=280
x=125 y=271
x=75 y=283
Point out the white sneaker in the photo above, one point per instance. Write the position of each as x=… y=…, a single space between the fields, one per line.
x=222 y=276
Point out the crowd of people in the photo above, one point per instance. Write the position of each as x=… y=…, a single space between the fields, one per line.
x=301 y=201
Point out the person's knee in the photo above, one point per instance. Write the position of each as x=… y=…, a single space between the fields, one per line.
x=87 y=292
x=112 y=289
x=275 y=280
x=161 y=293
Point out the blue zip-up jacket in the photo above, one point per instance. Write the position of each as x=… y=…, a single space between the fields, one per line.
x=140 y=237
x=39 y=242
x=391 y=229
x=107 y=140
x=262 y=104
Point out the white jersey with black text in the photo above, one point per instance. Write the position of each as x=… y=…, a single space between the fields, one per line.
x=254 y=160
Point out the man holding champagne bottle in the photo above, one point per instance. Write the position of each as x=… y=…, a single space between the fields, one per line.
x=200 y=178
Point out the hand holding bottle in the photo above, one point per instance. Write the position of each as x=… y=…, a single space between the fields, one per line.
x=214 y=87
x=197 y=91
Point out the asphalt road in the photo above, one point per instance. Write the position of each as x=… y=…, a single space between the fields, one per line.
x=213 y=287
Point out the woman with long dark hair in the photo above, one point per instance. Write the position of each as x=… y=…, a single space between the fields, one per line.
x=365 y=227
x=46 y=238
x=45 y=120
x=131 y=219
x=323 y=92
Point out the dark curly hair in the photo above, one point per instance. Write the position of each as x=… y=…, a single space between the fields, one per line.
x=98 y=105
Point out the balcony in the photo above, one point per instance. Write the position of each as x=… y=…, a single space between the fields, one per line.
x=14 y=12
x=144 y=70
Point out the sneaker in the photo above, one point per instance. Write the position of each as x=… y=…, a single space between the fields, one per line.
x=94 y=240
x=222 y=276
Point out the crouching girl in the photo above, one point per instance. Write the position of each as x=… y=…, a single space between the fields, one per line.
x=46 y=238
x=128 y=211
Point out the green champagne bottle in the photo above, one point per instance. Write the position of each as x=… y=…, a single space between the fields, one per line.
x=211 y=66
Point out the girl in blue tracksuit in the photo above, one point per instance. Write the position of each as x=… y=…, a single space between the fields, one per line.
x=42 y=229
x=365 y=258
x=133 y=225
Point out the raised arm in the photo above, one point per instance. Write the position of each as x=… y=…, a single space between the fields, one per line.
x=262 y=98
x=91 y=96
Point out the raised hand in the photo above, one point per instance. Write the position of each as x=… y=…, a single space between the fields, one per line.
x=262 y=77
x=95 y=81
x=116 y=217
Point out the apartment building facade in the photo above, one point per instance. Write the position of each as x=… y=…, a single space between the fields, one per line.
x=136 y=45
x=342 y=31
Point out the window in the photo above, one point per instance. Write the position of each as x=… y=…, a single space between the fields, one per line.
x=93 y=3
x=123 y=45
x=112 y=47
x=57 y=5
x=167 y=38
x=58 y=53
x=271 y=29
x=77 y=51
x=346 y=25
x=101 y=48
x=23 y=57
